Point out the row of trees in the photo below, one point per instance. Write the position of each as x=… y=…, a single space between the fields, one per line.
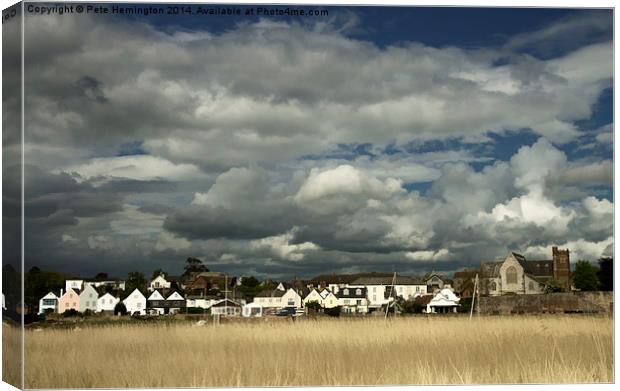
x=588 y=277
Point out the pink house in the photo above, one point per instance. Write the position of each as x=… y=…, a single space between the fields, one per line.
x=70 y=300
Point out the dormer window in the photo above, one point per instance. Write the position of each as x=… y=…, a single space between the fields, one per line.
x=346 y=291
x=358 y=291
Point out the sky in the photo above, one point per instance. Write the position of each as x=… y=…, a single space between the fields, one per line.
x=372 y=139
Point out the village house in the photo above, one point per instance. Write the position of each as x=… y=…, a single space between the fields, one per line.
x=159 y=282
x=175 y=302
x=330 y=300
x=106 y=303
x=226 y=307
x=291 y=298
x=48 y=303
x=270 y=299
x=70 y=300
x=88 y=298
x=135 y=302
x=155 y=303
x=252 y=310
x=193 y=300
x=516 y=275
x=444 y=301
x=377 y=288
x=434 y=281
x=76 y=285
x=353 y=300
x=463 y=283
x=313 y=296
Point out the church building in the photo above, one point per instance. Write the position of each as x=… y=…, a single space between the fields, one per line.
x=517 y=275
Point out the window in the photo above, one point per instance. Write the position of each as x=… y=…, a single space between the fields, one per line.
x=358 y=291
x=359 y=302
x=531 y=286
x=417 y=289
x=374 y=288
x=139 y=305
x=511 y=275
x=49 y=302
x=493 y=286
x=91 y=295
x=374 y=297
x=346 y=301
x=74 y=304
x=346 y=291
x=157 y=284
x=291 y=302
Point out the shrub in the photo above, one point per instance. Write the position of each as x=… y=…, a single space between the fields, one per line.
x=120 y=309
x=333 y=311
x=70 y=313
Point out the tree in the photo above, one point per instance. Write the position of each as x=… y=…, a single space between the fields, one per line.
x=552 y=286
x=584 y=277
x=194 y=265
x=157 y=273
x=135 y=280
x=101 y=276
x=606 y=273
x=250 y=282
x=38 y=283
x=120 y=309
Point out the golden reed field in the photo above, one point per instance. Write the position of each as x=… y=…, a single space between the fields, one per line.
x=354 y=351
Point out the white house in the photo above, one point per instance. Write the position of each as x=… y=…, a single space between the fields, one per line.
x=205 y=302
x=135 y=302
x=443 y=302
x=159 y=282
x=49 y=302
x=313 y=296
x=380 y=287
x=252 y=310
x=330 y=301
x=106 y=303
x=88 y=298
x=270 y=299
x=291 y=299
x=73 y=284
x=226 y=307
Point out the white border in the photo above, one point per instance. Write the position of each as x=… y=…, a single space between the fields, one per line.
x=455 y=3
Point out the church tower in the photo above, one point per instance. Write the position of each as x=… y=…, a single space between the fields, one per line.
x=561 y=267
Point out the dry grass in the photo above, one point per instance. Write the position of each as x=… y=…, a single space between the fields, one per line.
x=406 y=351
x=11 y=354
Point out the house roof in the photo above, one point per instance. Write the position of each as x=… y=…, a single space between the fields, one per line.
x=351 y=293
x=387 y=280
x=156 y=295
x=344 y=278
x=490 y=269
x=465 y=274
x=226 y=303
x=430 y=275
x=540 y=268
x=172 y=294
x=271 y=293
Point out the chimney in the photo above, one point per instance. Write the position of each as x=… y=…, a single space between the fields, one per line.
x=61 y=292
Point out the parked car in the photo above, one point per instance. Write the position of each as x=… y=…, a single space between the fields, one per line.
x=286 y=311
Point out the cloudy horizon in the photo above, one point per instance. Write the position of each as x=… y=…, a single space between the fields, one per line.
x=391 y=139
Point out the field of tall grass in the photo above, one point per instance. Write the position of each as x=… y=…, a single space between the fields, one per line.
x=366 y=351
